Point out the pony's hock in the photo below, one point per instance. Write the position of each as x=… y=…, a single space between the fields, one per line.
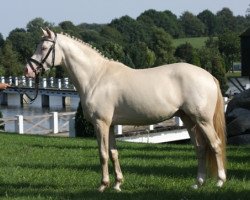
x=112 y=93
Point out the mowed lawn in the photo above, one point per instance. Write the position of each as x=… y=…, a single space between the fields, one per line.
x=196 y=42
x=36 y=167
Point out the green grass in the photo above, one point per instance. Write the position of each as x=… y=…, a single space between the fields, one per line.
x=196 y=42
x=35 y=167
x=233 y=74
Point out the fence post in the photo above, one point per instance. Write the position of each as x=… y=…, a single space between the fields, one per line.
x=19 y=124
x=10 y=80
x=2 y=79
x=151 y=127
x=44 y=82
x=23 y=81
x=66 y=83
x=51 y=81
x=59 y=84
x=54 y=122
x=178 y=121
x=118 y=129
x=30 y=82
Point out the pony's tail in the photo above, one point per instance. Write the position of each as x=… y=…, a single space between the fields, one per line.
x=219 y=126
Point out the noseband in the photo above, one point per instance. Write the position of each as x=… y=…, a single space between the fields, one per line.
x=40 y=67
x=40 y=64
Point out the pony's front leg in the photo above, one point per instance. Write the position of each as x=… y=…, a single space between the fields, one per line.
x=102 y=134
x=114 y=157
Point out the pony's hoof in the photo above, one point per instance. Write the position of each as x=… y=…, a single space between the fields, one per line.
x=102 y=188
x=220 y=183
x=117 y=187
x=195 y=187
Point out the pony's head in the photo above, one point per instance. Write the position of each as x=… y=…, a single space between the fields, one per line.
x=47 y=55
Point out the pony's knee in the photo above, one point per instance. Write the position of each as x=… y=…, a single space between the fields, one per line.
x=114 y=154
x=104 y=157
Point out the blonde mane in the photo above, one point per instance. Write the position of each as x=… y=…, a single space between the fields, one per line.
x=81 y=42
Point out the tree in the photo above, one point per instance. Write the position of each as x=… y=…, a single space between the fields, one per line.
x=212 y=61
x=9 y=61
x=229 y=47
x=187 y=53
x=131 y=30
x=209 y=20
x=141 y=55
x=111 y=34
x=35 y=25
x=70 y=28
x=226 y=21
x=1 y=40
x=218 y=71
x=23 y=43
x=113 y=51
x=161 y=44
x=248 y=10
x=191 y=25
x=166 y=20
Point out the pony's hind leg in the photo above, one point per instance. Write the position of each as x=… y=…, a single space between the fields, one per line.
x=114 y=157
x=200 y=145
x=215 y=145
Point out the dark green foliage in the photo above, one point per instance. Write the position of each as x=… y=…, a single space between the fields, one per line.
x=166 y=20
x=192 y=26
x=146 y=41
x=9 y=62
x=226 y=21
x=1 y=126
x=209 y=20
x=229 y=47
x=83 y=127
x=1 y=40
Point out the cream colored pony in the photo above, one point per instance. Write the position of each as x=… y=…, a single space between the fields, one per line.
x=112 y=93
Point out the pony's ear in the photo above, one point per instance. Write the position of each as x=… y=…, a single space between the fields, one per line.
x=45 y=34
x=50 y=33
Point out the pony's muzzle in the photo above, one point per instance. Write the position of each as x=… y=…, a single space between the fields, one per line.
x=29 y=72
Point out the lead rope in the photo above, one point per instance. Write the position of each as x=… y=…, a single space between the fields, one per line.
x=31 y=99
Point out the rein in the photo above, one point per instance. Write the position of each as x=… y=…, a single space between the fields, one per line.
x=21 y=91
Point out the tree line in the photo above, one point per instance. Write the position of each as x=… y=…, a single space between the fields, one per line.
x=146 y=41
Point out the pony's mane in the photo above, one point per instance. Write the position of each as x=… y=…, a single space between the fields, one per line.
x=86 y=44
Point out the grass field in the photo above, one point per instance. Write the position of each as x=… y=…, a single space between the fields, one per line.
x=196 y=42
x=35 y=167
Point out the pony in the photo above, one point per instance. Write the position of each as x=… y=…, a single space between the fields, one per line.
x=112 y=93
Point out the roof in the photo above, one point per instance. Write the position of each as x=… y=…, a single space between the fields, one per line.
x=246 y=33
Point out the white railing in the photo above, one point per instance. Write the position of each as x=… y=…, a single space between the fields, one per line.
x=44 y=82
x=40 y=124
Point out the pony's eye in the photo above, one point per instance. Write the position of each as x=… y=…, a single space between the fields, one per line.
x=44 y=48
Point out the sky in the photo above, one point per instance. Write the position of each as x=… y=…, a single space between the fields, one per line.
x=17 y=13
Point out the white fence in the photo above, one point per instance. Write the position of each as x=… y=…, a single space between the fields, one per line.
x=40 y=124
x=65 y=122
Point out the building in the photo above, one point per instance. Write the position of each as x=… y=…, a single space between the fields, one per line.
x=245 y=53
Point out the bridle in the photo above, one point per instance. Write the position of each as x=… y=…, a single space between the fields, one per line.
x=40 y=69
x=40 y=64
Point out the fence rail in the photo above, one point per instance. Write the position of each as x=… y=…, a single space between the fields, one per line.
x=40 y=124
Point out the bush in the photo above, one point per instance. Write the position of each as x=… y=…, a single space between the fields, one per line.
x=83 y=127
x=1 y=126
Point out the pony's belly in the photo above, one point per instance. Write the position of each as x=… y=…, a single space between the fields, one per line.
x=143 y=118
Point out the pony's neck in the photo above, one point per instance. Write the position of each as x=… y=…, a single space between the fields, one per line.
x=81 y=61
